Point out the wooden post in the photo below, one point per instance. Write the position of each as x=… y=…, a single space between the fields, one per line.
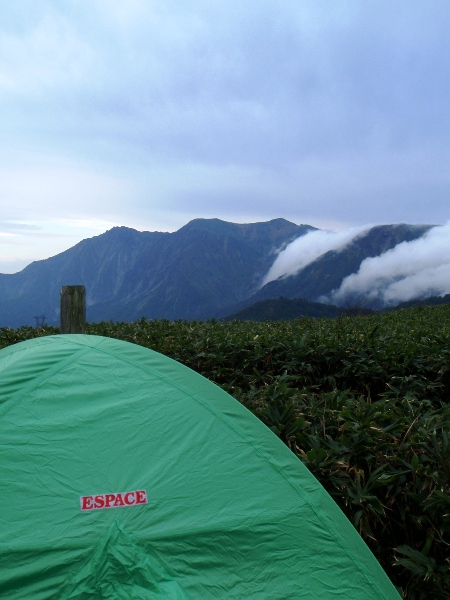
x=73 y=309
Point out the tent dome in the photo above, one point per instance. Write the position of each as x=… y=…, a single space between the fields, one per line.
x=126 y=475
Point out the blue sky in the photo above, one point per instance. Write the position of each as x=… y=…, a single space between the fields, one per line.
x=148 y=114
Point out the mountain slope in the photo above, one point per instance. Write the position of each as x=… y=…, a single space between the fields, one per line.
x=328 y=271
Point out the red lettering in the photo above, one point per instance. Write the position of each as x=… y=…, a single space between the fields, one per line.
x=99 y=501
x=132 y=501
x=141 y=497
x=109 y=498
x=113 y=500
x=87 y=503
x=119 y=501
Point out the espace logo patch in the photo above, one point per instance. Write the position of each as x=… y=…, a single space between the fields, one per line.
x=113 y=500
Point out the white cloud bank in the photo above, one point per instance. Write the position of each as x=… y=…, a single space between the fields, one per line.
x=306 y=249
x=415 y=269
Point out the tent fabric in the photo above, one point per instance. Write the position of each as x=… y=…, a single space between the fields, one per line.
x=230 y=512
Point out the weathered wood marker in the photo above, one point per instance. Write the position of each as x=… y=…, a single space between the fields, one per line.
x=73 y=309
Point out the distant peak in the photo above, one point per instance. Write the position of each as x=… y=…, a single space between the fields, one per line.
x=121 y=228
x=205 y=223
x=218 y=225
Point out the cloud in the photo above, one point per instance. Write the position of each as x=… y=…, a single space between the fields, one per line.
x=13 y=265
x=11 y=228
x=306 y=249
x=42 y=187
x=22 y=243
x=246 y=82
x=415 y=269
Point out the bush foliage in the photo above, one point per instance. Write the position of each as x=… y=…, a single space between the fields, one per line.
x=362 y=401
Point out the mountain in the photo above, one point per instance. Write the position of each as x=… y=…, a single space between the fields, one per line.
x=189 y=274
x=208 y=268
x=327 y=272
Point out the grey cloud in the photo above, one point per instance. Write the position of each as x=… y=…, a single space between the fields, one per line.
x=248 y=82
x=340 y=108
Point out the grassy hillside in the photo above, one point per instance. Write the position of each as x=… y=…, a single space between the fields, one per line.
x=362 y=401
x=431 y=301
x=283 y=308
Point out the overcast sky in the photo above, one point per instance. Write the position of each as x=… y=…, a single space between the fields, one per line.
x=150 y=113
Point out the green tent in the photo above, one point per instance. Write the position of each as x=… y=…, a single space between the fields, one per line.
x=126 y=475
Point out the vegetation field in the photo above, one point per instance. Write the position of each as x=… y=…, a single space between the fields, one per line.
x=362 y=401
